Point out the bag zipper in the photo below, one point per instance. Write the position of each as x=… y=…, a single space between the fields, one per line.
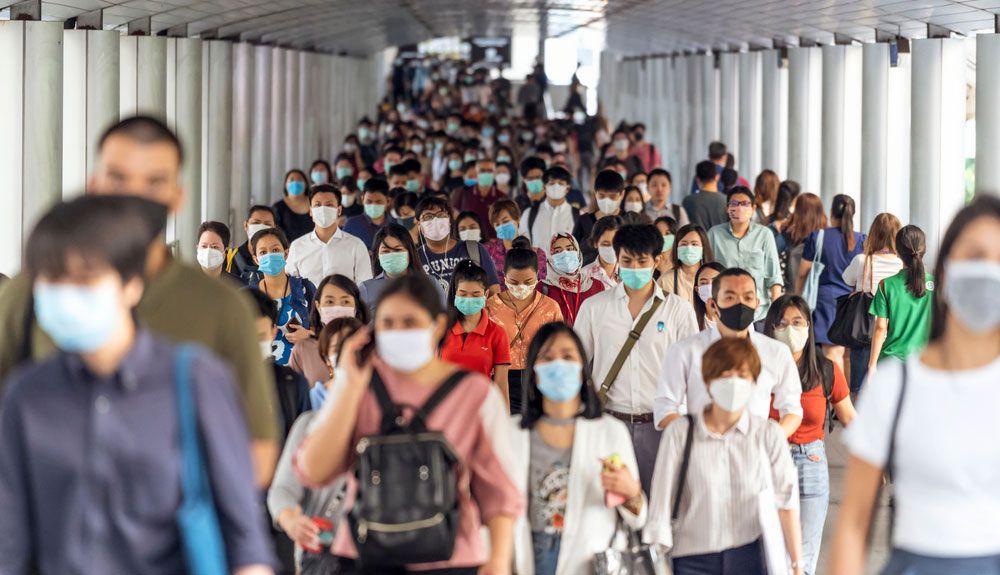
x=364 y=526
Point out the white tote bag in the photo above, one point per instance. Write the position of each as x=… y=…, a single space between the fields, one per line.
x=772 y=536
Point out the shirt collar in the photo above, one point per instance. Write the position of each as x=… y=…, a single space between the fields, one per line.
x=620 y=292
x=742 y=426
x=132 y=367
x=336 y=235
x=480 y=328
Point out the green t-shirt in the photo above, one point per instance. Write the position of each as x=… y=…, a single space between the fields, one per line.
x=181 y=304
x=909 y=317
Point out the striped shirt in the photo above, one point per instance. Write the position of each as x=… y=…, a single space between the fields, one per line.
x=725 y=477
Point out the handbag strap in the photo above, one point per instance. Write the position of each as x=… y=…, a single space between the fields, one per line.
x=870 y=264
x=818 y=256
x=633 y=337
x=192 y=479
x=682 y=475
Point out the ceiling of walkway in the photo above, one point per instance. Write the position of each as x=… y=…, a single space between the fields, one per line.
x=633 y=26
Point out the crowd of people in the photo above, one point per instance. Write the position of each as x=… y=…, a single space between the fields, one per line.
x=490 y=342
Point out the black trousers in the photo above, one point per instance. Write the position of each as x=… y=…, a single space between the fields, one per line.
x=514 y=378
x=350 y=567
x=745 y=560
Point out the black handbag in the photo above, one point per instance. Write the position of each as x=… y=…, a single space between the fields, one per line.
x=852 y=326
x=407 y=502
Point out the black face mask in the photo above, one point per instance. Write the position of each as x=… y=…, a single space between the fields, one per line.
x=737 y=317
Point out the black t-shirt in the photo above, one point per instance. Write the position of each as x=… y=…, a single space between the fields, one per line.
x=706 y=209
x=581 y=231
x=294 y=225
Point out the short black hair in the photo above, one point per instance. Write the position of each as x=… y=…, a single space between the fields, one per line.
x=218 y=228
x=102 y=230
x=531 y=163
x=276 y=232
x=412 y=165
x=144 y=130
x=429 y=202
x=465 y=271
x=716 y=150
x=728 y=178
x=705 y=171
x=739 y=190
x=557 y=173
x=609 y=181
x=265 y=305
x=659 y=172
x=405 y=199
x=605 y=225
x=262 y=208
x=325 y=189
x=520 y=256
x=398 y=170
x=730 y=273
x=392 y=148
x=638 y=239
x=376 y=185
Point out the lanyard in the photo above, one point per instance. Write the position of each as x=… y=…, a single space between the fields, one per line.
x=576 y=304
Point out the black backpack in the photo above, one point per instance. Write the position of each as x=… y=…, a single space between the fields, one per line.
x=407 y=503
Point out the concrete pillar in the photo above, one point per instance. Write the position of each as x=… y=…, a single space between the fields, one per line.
x=218 y=128
x=804 y=116
x=143 y=88
x=290 y=122
x=90 y=100
x=184 y=114
x=729 y=103
x=31 y=93
x=307 y=119
x=898 y=164
x=710 y=93
x=242 y=137
x=773 y=122
x=841 y=131
x=279 y=161
x=937 y=163
x=261 y=181
x=750 y=115
x=874 y=132
x=988 y=115
x=697 y=111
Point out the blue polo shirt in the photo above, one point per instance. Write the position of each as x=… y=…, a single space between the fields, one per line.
x=363 y=228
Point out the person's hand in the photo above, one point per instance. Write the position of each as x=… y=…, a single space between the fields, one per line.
x=496 y=566
x=355 y=374
x=620 y=481
x=297 y=333
x=300 y=529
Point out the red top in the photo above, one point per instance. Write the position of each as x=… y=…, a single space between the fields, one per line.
x=469 y=199
x=814 y=409
x=569 y=301
x=479 y=350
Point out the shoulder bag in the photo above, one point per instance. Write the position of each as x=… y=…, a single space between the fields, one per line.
x=633 y=337
x=852 y=326
x=810 y=289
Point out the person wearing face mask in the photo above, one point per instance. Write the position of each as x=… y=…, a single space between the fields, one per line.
x=532 y=170
x=320 y=173
x=564 y=448
x=632 y=202
x=621 y=149
x=310 y=517
x=705 y=501
x=343 y=167
x=690 y=251
x=468 y=227
x=394 y=255
x=916 y=417
x=474 y=341
x=293 y=211
x=105 y=406
x=660 y=186
x=734 y=301
x=740 y=243
x=707 y=318
x=439 y=252
x=604 y=268
x=336 y=296
x=824 y=390
x=553 y=216
x=213 y=253
x=350 y=199
x=504 y=215
x=565 y=282
x=627 y=330
x=504 y=179
x=259 y=218
x=647 y=152
x=293 y=294
x=328 y=250
x=479 y=197
x=520 y=310
x=453 y=176
x=667 y=227
x=609 y=190
x=375 y=205
x=410 y=323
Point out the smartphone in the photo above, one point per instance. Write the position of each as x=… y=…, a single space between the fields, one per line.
x=365 y=353
x=294 y=321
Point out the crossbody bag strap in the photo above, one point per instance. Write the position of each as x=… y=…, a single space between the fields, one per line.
x=473 y=249
x=818 y=256
x=633 y=337
x=192 y=479
x=442 y=391
x=391 y=413
x=682 y=475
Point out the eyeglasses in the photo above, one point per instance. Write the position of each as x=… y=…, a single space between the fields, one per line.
x=797 y=322
x=739 y=204
x=426 y=217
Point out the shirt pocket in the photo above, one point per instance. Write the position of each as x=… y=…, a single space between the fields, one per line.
x=755 y=261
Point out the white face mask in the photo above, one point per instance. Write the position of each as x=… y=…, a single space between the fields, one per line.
x=608 y=254
x=731 y=393
x=325 y=216
x=621 y=145
x=644 y=188
x=556 y=191
x=406 y=349
x=795 y=337
x=210 y=258
x=502 y=178
x=252 y=229
x=607 y=205
x=705 y=293
x=471 y=235
x=634 y=207
x=348 y=199
x=436 y=229
x=520 y=291
x=969 y=286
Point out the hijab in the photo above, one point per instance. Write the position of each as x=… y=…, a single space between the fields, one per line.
x=577 y=282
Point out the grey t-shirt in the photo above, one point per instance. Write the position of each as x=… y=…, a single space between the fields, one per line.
x=706 y=209
x=548 y=478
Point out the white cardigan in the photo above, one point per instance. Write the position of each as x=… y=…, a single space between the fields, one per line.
x=589 y=524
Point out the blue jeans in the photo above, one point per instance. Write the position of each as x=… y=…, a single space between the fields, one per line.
x=906 y=563
x=745 y=560
x=814 y=498
x=546 y=550
x=859 y=366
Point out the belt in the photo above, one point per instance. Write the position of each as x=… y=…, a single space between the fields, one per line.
x=631 y=417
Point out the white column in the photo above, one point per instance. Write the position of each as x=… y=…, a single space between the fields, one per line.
x=898 y=165
x=773 y=122
x=841 y=131
x=729 y=103
x=184 y=114
x=90 y=100
x=750 y=115
x=988 y=114
x=804 y=116
x=697 y=111
x=279 y=159
x=218 y=126
x=31 y=68
x=242 y=137
x=293 y=143
x=874 y=132
x=937 y=163
x=261 y=181
x=710 y=93
x=143 y=88
x=307 y=119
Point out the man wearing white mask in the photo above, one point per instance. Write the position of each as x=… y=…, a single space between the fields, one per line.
x=554 y=215
x=440 y=252
x=734 y=300
x=328 y=250
x=213 y=253
x=259 y=217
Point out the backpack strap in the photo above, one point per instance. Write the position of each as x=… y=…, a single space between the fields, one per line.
x=682 y=475
x=230 y=257
x=27 y=327
x=827 y=375
x=623 y=353
x=420 y=417
x=532 y=217
x=392 y=415
x=473 y=249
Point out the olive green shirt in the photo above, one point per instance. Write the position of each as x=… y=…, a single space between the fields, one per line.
x=181 y=304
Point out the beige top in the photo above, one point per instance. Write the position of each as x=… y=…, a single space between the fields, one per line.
x=305 y=359
x=685 y=284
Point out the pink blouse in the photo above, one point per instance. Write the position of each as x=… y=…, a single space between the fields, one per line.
x=498 y=252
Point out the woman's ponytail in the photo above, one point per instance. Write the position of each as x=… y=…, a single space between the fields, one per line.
x=911 y=245
x=843 y=209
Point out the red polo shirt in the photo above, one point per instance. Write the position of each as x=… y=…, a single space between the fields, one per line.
x=479 y=350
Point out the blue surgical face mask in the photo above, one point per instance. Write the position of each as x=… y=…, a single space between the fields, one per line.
x=503 y=138
x=635 y=278
x=387 y=165
x=79 y=319
x=507 y=231
x=361 y=184
x=318 y=177
x=412 y=185
x=469 y=182
x=374 y=211
x=470 y=305
x=271 y=264
x=296 y=188
x=485 y=179
x=559 y=380
x=487 y=132
x=394 y=263
x=503 y=159
x=343 y=172
x=534 y=187
x=454 y=165
x=566 y=262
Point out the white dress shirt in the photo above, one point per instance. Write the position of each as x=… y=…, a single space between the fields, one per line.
x=681 y=383
x=604 y=323
x=310 y=258
x=550 y=221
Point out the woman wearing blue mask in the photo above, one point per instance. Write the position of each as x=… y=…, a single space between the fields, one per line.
x=504 y=216
x=292 y=211
x=320 y=173
x=565 y=282
x=691 y=250
x=394 y=255
x=570 y=462
x=270 y=248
